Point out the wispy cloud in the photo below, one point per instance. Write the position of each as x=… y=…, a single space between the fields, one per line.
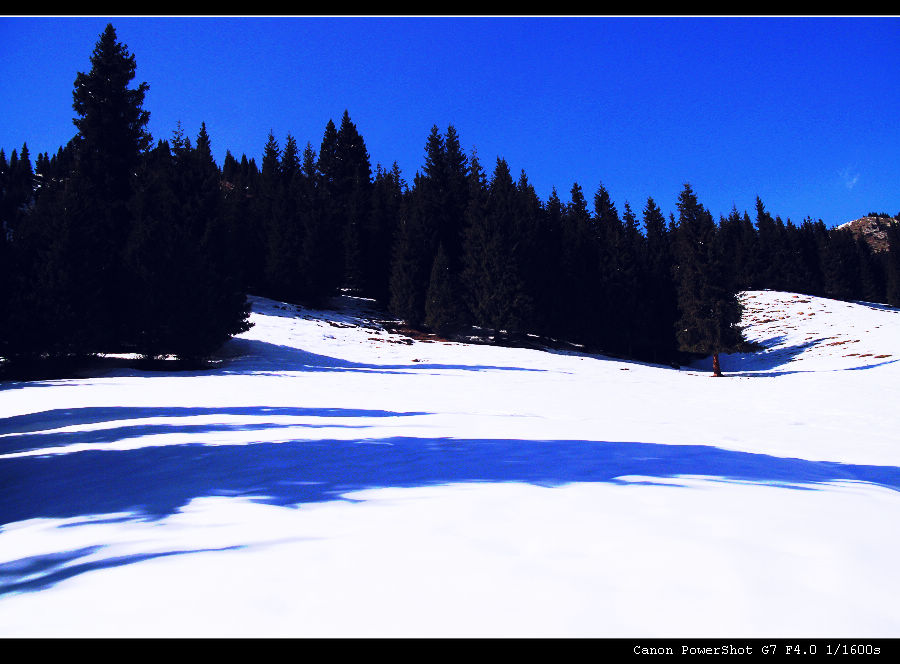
x=849 y=177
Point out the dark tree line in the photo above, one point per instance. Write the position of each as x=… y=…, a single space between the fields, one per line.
x=117 y=244
x=809 y=258
x=114 y=246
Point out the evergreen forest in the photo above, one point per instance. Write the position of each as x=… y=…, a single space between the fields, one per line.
x=119 y=243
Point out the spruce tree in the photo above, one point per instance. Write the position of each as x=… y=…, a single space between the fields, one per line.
x=840 y=265
x=579 y=271
x=284 y=237
x=494 y=271
x=181 y=253
x=111 y=138
x=318 y=274
x=528 y=229
x=353 y=191
x=409 y=267
x=548 y=289
x=630 y=277
x=328 y=210
x=660 y=296
x=456 y=197
x=444 y=312
x=707 y=301
x=608 y=296
x=384 y=219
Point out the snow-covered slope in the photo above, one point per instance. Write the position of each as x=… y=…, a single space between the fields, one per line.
x=333 y=479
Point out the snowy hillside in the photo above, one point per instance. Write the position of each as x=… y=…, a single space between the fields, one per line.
x=330 y=478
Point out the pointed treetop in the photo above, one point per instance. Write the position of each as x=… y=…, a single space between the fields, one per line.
x=104 y=92
x=435 y=154
x=204 y=145
x=290 y=158
x=604 y=208
x=578 y=202
x=271 y=156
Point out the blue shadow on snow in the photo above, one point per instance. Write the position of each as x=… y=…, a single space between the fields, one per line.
x=154 y=482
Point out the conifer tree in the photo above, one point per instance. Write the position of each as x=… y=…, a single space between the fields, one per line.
x=528 y=228
x=707 y=301
x=384 y=219
x=579 y=271
x=409 y=268
x=609 y=290
x=285 y=238
x=319 y=277
x=631 y=283
x=494 y=270
x=155 y=254
x=660 y=296
x=328 y=210
x=431 y=190
x=444 y=312
x=353 y=191
x=239 y=187
x=111 y=138
x=181 y=253
x=548 y=286
x=455 y=198
x=840 y=265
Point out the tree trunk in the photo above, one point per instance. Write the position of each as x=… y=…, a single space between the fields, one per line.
x=717 y=369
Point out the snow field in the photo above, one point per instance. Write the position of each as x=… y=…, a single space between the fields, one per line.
x=331 y=479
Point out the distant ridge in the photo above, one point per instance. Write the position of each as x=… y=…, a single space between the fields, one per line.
x=873 y=229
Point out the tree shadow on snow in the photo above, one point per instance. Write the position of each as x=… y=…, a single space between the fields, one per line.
x=773 y=360
x=58 y=417
x=43 y=571
x=152 y=483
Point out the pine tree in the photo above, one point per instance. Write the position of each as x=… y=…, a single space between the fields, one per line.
x=111 y=119
x=528 y=229
x=444 y=312
x=43 y=316
x=840 y=265
x=494 y=267
x=319 y=277
x=240 y=184
x=354 y=189
x=579 y=271
x=660 y=296
x=181 y=253
x=384 y=219
x=609 y=291
x=155 y=254
x=456 y=197
x=108 y=147
x=431 y=190
x=548 y=285
x=707 y=301
x=328 y=210
x=284 y=277
x=409 y=269
x=630 y=277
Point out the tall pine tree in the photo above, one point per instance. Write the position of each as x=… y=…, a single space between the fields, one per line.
x=111 y=138
x=707 y=301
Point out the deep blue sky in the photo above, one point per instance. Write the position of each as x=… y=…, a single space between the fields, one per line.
x=802 y=112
